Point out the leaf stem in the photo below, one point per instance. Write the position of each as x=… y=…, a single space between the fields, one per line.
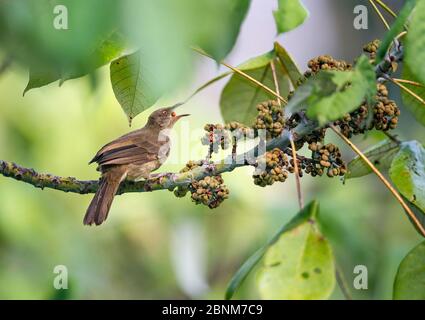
x=400 y=35
x=291 y=140
x=386 y=8
x=414 y=95
x=246 y=76
x=342 y=283
x=296 y=172
x=378 y=12
x=413 y=83
x=382 y=178
x=276 y=82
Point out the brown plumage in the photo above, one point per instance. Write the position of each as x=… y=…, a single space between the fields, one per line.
x=133 y=156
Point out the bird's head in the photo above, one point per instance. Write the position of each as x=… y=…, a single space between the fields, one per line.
x=165 y=117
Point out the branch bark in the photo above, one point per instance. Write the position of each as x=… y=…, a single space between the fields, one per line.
x=166 y=181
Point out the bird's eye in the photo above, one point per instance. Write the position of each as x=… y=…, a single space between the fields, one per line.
x=164 y=112
x=173 y=114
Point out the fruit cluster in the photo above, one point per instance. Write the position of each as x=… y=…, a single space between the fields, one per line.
x=325 y=157
x=326 y=62
x=270 y=117
x=209 y=191
x=276 y=164
x=272 y=167
x=385 y=111
x=385 y=115
x=371 y=49
x=216 y=137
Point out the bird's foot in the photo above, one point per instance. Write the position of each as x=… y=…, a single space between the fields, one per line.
x=158 y=175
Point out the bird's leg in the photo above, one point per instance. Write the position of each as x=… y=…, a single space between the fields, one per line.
x=158 y=175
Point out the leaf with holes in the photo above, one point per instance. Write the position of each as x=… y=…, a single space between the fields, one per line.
x=381 y=155
x=289 y=15
x=408 y=173
x=416 y=107
x=129 y=78
x=309 y=211
x=409 y=283
x=299 y=265
x=239 y=98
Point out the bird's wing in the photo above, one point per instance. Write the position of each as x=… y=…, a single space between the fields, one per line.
x=125 y=150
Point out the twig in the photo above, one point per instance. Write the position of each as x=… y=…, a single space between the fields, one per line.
x=246 y=76
x=166 y=181
x=414 y=95
x=294 y=151
x=340 y=279
x=400 y=35
x=296 y=172
x=386 y=8
x=379 y=14
x=385 y=68
x=413 y=83
x=276 y=82
x=383 y=179
x=391 y=137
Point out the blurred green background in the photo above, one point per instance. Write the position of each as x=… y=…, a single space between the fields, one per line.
x=155 y=245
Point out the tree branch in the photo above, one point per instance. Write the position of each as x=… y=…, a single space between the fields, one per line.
x=172 y=180
x=166 y=181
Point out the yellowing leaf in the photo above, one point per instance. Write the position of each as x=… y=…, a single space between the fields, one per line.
x=299 y=265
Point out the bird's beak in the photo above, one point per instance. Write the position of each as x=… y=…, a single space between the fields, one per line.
x=177 y=117
x=182 y=115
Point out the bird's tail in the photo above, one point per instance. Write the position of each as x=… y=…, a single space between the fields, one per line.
x=98 y=210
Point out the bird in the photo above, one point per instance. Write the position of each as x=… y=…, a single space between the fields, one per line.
x=132 y=156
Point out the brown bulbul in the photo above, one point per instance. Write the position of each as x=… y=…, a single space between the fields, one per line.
x=133 y=156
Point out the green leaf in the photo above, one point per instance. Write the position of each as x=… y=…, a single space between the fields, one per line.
x=164 y=29
x=299 y=265
x=240 y=96
x=102 y=53
x=409 y=283
x=415 y=43
x=396 y=28
x=289 y=15
x=380 y=154
x=224 y=33
x=130 y=82
x=418 y=213
x=308 y=212
x=330 y=95
x=41 y=77
x=289 y=65
x=416 y=107
x=106 y=50
x=408 y=173
x=253 y=63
